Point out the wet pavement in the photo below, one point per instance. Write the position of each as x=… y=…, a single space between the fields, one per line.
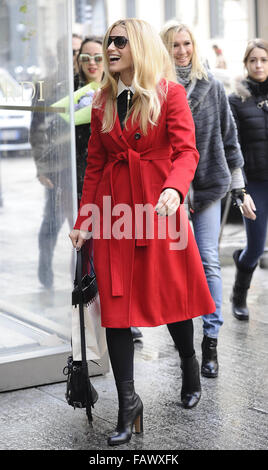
x=231 y=415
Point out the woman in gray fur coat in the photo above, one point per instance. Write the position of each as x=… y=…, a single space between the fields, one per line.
x=218 y=171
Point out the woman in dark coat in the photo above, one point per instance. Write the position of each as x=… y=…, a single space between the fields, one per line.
x=90 y=63
x=218 y=170
x=249 y=104
x=141 y=156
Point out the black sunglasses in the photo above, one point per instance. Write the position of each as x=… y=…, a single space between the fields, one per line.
x=119 y=41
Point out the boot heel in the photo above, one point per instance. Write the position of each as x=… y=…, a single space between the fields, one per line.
x=138 y=423
x=130 y=414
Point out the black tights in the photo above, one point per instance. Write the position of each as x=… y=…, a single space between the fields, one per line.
x=121 y=347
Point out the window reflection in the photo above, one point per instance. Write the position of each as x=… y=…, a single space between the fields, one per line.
x=35 y=172
x=49 y=137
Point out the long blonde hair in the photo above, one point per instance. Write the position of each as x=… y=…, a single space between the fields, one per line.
x=151 y=63
x=167 y=34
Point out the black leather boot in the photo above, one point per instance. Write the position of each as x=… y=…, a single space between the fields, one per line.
x=130 y=414
x=191 y=386
x=209 y=366
x=240 y=289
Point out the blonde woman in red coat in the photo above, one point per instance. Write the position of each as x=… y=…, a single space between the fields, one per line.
x=141 y=160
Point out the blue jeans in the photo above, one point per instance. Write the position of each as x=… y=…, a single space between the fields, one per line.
x=207 y=224
x=256 y=229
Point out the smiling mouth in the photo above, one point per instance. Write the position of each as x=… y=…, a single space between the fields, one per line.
x=114 y=58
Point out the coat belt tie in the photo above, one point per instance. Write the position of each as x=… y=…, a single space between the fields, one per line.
x=133 y=159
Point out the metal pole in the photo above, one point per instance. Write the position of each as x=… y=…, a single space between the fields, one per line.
x=71 y=110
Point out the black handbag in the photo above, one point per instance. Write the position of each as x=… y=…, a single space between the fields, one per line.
x=80 y=393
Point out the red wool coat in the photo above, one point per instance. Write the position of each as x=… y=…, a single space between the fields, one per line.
x=143 y=281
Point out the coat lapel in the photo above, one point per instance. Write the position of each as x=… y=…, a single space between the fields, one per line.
x=199 y=94
x=131 y=129
x=117 y=134
x=123 y=136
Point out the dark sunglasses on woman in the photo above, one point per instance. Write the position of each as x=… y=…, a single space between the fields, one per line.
x=87 y=57
x=119 y=41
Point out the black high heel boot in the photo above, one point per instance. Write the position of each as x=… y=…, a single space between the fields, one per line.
x=130 y=414
x=191 y=386
x=242 y=283
x=210 y=365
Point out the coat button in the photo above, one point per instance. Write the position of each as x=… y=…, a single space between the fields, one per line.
x=137 y=136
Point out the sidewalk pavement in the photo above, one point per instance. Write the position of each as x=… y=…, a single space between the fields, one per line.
x=232 y=413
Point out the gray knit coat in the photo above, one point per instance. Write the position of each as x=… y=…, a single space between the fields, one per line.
x=216 y=142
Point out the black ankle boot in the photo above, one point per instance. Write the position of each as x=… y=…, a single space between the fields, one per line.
x=191 y=387
x=209 y=366
x=130 y=413
x=240 y=289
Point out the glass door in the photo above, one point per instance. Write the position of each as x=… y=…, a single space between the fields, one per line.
x=37 y=192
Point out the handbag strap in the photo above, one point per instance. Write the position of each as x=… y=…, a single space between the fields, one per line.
x=81 y=251
x=82 y=332
x=81 y=306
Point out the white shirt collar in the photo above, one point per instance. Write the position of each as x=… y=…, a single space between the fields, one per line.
x=121 y=87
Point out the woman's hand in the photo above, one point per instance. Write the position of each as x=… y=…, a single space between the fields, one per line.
x=78 y=238
x=248 y=207
x=168 y=203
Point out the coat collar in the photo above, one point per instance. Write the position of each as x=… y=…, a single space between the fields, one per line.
x=246 y=87
x=119 y=135
x=241 y=88
x=123 y=136
x=199 y=92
